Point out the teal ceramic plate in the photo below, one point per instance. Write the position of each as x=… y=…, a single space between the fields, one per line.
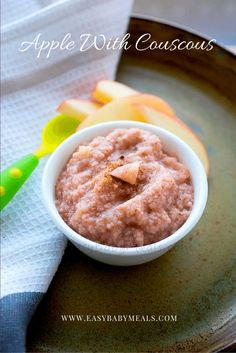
x=197 y=279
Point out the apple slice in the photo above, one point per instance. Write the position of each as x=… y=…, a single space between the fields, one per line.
x=153 y=102
x=127 y=172
x=126 y=108
x=179 y=128
x=78 y=108
x=106 y=91
x=119 y=109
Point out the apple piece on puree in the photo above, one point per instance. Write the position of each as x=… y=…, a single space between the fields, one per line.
x=127 y=172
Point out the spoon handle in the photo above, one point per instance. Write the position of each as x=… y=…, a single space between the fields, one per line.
x=13 y=177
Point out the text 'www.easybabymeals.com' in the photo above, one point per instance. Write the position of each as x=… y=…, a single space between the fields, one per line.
x=118 y=318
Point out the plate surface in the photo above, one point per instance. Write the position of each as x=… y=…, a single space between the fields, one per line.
x=197 y=279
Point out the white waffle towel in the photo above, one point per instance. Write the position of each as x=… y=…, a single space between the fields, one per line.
x=32 y=88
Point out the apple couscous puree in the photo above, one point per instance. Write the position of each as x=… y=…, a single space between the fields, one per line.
x=122 y=190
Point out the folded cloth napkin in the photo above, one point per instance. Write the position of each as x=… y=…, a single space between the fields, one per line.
x=32 y=87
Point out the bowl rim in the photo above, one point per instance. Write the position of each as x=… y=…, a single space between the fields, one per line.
x=195 y=215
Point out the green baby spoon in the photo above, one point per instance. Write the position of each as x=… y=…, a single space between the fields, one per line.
x=54 y=133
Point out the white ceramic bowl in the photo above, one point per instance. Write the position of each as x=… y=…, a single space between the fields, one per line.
x=125 y=256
